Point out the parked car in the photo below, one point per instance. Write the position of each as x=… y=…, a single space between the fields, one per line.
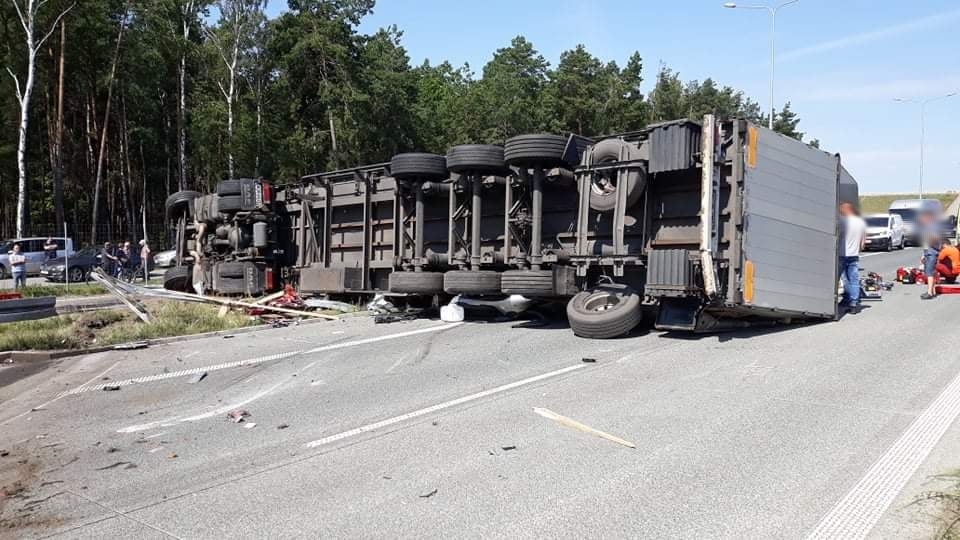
x=32 y=248
x=885 y=231
x=80 y=263
x=165 y=259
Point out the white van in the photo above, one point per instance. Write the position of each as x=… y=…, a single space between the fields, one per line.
x=910 y=210
x=32 y=248
x=884 y=231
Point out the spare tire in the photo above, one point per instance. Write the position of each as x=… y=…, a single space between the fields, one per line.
x=603 y=186
x=418 y=166
x=527 y=282
x=178 y=278
x=536 y=151
x=416 y=282
x=604 y=312
x=476 y=158
x=229 y=187
x=179 y=202
x=471 y=282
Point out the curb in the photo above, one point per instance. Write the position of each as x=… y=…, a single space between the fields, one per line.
x=46 y=356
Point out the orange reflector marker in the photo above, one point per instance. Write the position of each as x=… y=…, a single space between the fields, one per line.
x=748 y=282
x=751 y=147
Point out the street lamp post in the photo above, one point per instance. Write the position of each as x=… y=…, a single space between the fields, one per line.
x=923 y=112
x=772 y=10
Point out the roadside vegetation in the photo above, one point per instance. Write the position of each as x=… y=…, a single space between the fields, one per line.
x=879 y=204
x=75 y=289
x=110 y=327
x=945 y=504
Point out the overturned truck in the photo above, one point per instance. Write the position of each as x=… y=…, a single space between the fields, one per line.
x=703 y=225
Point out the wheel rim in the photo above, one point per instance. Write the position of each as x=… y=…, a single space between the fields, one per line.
x=604 y=182
x=601 y=302
x=76 y=274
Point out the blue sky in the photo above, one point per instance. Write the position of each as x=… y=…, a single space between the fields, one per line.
x=841 y=63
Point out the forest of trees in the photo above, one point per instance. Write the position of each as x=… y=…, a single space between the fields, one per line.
x=111 y=105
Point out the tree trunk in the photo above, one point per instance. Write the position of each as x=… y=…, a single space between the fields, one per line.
x=22 y=205
x=126 y=174
x=143 y=205
x=103 y=136
x=186 y=12
x=58 y=135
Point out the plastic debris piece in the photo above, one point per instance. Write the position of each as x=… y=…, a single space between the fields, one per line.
x=589 y=360
x=508 y=448
x=111 y=388
x=250 y=425
x=428 y=494
x=131 y=346
x=571 y=423
x=197 y=378
x=238 y=415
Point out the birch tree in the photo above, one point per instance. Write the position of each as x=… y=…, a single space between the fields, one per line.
x=28 y=11
x=238 y=18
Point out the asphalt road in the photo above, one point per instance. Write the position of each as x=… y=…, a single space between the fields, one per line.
x=422 y=429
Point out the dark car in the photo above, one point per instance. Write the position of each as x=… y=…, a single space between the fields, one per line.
x=81 y=264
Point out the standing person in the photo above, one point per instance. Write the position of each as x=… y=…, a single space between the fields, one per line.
x=109 y=259
x=125 y=254
x=854 y=236
x=145 y=259
x=50 y=249
x=18 y=267
x=932 y=240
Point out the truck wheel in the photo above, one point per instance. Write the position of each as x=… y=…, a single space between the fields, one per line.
x=527 y=282
x=418 y=166
x=228 y=187
x=604 y=312
x=178 y=278
x=416 y=282
x=476 y=158
x=603 y=187
x=471 y=282
x=179 y=202
x=229 y=203
x=536 y=151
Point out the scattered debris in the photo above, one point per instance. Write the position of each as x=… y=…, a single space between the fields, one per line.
x=172 y=456
x=387 y=477
x=452 y=312
x=197 y=378
x=270 y=297
x=508 y=448
x=435 y=423
x=112 y=449
x=124 y=464
x=428 y=494
x=589 y=360
x=384 y=318
x=381 y=306
x=111 y=388
x=322 y=303
x=157 y=449
x=569 y=422
x=111 y=285
x=131 y=346
x=238 y=415
x=250 y=425
x=283 y=426
x=228 y=336
x=4 y=453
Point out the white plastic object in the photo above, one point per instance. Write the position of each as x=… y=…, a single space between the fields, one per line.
x=451 y=313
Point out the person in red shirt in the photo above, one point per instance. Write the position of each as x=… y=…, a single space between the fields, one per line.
x=948 y=262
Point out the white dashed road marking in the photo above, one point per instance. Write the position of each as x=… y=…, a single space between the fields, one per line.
x=439 y=407
x=858 y=512
x=254 y=361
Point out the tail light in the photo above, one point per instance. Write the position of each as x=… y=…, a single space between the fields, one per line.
x=268 y=278
x=267 y=192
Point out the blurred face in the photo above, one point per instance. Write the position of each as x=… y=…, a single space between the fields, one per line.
x=126 y=246
x=16 y=248
x=107 y=245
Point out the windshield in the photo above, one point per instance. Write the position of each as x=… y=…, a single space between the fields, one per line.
x=908 y=214
x=877 y=221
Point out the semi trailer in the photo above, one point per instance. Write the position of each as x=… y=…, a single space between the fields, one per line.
x=701 y=225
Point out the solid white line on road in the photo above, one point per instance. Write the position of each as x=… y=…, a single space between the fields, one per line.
x=440 y=406
x=255 y=361
x=858 y=512
x=59 y=396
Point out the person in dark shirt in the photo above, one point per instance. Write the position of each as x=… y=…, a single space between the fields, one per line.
x=109 y=259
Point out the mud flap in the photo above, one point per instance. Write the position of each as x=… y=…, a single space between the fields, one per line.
x=678 y=314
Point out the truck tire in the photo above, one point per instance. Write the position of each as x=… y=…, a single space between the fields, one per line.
x=604 y=312
x=476 y=158
x=228 y=187
x=416 y=282
x=536 y=151
x=229 y=203
x=178 y=278
x=603 y=188
x=527 y=282
x=471 y=282
x=418 y=166
x=179 y=202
